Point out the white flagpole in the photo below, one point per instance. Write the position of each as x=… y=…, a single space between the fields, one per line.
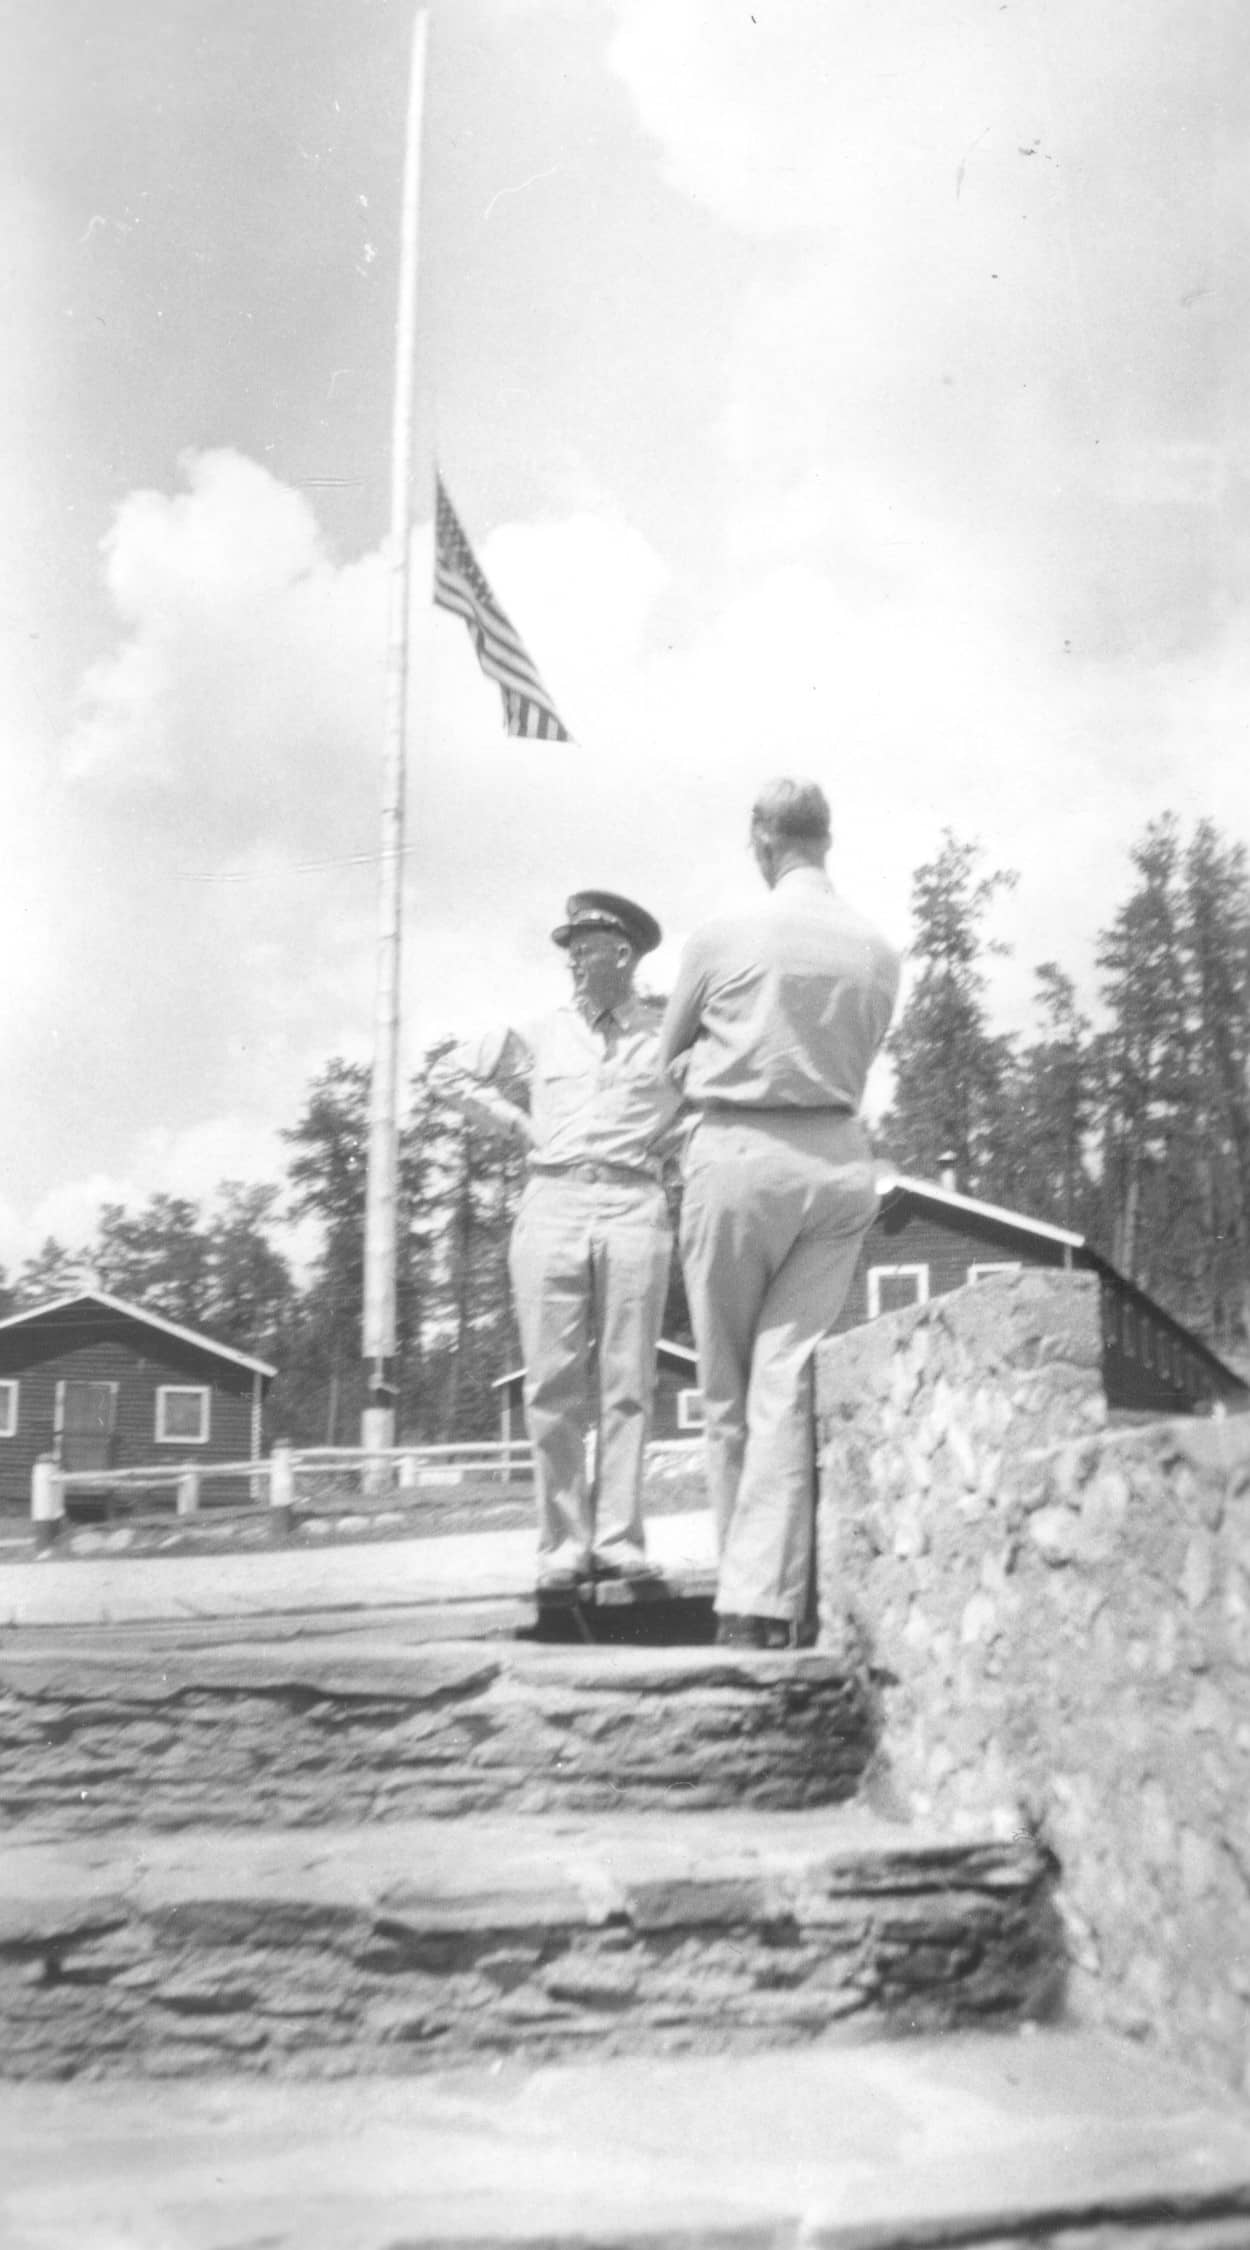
x=381 y=1204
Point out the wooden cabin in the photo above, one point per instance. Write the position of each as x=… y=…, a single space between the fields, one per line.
x=928 y=1239
x=103 y=1385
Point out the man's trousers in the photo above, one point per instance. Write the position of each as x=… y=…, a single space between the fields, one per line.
x=776 y=1205
x=589 y=1262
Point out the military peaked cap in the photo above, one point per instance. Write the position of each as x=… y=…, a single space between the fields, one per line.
x=603 y=910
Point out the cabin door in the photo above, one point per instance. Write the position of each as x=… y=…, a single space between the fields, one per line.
x=88 y=1421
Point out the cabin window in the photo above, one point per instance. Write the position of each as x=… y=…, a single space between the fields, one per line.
x=8 y=1409
x=891 y=1288
x=690 y=1414
x=987 y=1266
x=182 y=1414
x=1147 y=1343
x=1128 y=1332
x=1165 y=1354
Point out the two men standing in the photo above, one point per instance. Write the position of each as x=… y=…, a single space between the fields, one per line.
x=774 y=1020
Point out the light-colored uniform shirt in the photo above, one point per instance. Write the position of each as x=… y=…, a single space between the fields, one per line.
x=784 y=1007
x=597 y=1092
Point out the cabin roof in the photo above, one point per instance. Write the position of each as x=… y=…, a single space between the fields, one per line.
x=890 y=1183
x=146 y=1319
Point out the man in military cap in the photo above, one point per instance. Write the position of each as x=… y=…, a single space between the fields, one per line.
x=592 y=1244
x=774 y=1020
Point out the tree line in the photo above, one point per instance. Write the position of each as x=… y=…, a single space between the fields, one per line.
x=1136 y=1133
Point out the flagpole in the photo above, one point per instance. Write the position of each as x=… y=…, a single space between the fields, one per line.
x=381 y=1196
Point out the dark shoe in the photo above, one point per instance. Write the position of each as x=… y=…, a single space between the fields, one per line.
x=562 y=1581
x=623 y=1566
x=754 y=1632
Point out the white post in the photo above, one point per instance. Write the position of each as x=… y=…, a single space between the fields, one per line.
x=47 y=1502
x=378 y=1419
x=407 y=1472
x=282 y=1489
x=188 y=1493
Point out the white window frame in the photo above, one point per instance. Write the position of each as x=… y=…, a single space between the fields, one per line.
x=985 y=1266
x=690 y=1413
x=202 y=1391
x=10 y=1399
x=878 y=1274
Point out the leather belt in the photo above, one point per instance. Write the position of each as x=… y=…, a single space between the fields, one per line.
x=610 y=1175
x=736 y=1111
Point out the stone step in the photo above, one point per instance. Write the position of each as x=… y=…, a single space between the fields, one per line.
x=410 y=1944
x=373 y=1727
x=1007 y=2142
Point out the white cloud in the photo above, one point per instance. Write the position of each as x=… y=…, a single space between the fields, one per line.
x=216 y=827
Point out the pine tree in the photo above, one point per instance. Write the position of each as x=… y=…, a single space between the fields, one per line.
x=464 y=1184
x=951 y=1071
x=251 y=1293
x=1151 y=1177
x=157 y=1257
x=1052 y=1102
x=1217 y=943
x=53 y=1272
x=321 y=1394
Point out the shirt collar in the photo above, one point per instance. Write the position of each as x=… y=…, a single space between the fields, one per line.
x=622 y=1015
x=805 y=878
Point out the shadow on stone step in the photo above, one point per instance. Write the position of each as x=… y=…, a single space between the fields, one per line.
x=678 y=1621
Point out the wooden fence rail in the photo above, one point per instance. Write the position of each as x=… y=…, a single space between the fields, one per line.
x=275 y=1481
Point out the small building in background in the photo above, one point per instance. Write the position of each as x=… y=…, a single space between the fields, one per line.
x=927 y=1240
x=103 y=1385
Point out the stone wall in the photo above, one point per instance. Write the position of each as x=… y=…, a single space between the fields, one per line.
x=1057 y=1613
x=400 y=1947
x=304 y=1733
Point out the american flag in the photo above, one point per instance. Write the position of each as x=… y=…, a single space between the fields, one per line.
x=460 y=586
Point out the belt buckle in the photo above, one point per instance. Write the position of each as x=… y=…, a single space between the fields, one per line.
x=593 y=1173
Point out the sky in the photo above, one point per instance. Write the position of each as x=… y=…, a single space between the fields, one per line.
x=848 y=388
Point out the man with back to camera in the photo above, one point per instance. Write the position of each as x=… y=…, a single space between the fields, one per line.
x=592 y=1244
x=778 y=1014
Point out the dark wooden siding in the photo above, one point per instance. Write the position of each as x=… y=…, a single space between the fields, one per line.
x=904 y=1234
x=1151 y=1363
x=93 y=1344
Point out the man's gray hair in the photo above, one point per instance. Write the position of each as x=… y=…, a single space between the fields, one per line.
x=796 y=812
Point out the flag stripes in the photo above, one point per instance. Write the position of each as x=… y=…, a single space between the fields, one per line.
x=459 y=585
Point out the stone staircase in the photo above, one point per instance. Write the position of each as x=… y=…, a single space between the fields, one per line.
x=368 y=1941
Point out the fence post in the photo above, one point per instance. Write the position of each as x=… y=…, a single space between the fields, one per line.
x=282 y=1489
x=47 y=1502
x=188 y=1493
x=407 y=1472
x=375 y=1475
